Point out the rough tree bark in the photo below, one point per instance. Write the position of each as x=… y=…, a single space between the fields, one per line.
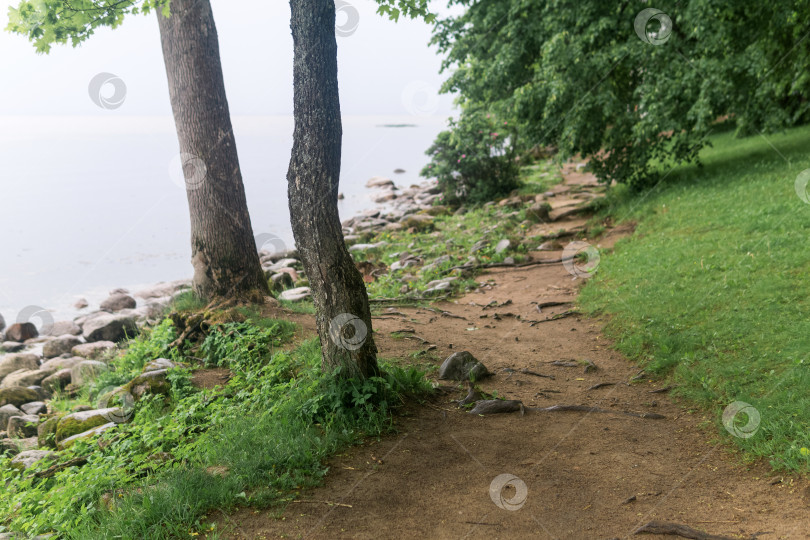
x=341 y=301
x=223 y=249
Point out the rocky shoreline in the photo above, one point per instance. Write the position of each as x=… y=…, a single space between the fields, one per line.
x=61 y=356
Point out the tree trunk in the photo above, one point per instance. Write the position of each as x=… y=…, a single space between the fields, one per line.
x=223 y=250
x=341 y=302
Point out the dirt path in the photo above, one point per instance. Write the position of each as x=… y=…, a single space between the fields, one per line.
x=587 y=475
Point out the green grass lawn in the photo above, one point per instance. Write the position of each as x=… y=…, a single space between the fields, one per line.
x=713 y=288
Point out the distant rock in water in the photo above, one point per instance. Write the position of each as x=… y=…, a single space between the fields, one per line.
x=117 y=302
x=81 y=303
x=2 y=323
x=399 y=171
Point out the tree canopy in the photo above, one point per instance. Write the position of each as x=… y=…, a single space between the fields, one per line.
x=627 y=85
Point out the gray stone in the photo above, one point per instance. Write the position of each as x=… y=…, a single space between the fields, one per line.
x=503 y=245
x=24 y=377
x=93 y=351
x=462 y=366
x=2 y=323
x=22 y=426
x=61 y=345
x=439 y=282
x=86 y=371
x=13 y=362
x=85 y=434
x=379 y=182
x=283 y=263
x=117 y=302
x=81 y=303
x=39 y=391
x=12 y=346
x=58 y=380
x=26 y=459
x=35 y=407
x=159 y=363
x=294 y=295
x=110 y=328
x=509 y=260
x=12 y=447
x=62 y=328
x=163 y=289
x=55 y=364
x=438 y=288
x=6 y=412
x=82 y=421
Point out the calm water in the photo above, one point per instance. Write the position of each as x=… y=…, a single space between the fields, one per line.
x=88 y=204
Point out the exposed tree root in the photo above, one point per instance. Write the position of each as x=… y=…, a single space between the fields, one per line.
x=585 y=408
x=50 y=471
x=676 y=529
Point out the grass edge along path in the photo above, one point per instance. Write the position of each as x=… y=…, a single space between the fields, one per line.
x=712 y=290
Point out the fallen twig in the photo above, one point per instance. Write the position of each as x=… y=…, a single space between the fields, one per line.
x=562 y=363
x=676 y=529
x=601 y=385
x=452 y=315
x=663 y=390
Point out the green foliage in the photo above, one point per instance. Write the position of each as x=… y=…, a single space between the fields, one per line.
x=712 y=290
x=149 y=345
x=49 y=22
x=244 y=344
x=576 y=75
x=474 y=161
x=258 y=440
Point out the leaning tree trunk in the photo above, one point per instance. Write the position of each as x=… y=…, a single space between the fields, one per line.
x=223 y=250
x=341 y=302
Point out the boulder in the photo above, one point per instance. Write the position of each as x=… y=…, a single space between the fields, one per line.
x=21 y=332
x=17 y=396
x=379 y=182
x=41 y=394
x=61 y=345
x=12 y=346
x=417 y=221
x=62 y=328
x=85 y=371
x=539 y=212
x=92 y=351
x=158 y=364
x=281 y=281
x=35 y=407
x=6 y=412
x=151 y=382
x=110 y=328
x=85 y=435
x=46 y=431
x=13 y=362
x=24 y=377
x=294 y=295
x=462 y=366
x=283 y=263
x=22 y=426
x=12 y=447
x=79 y=422
x=117 y=302
x=57 y=381
x=163 y=289
x=81 y=303
x=55 y=364
x=2 y=323
x=26 y=459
